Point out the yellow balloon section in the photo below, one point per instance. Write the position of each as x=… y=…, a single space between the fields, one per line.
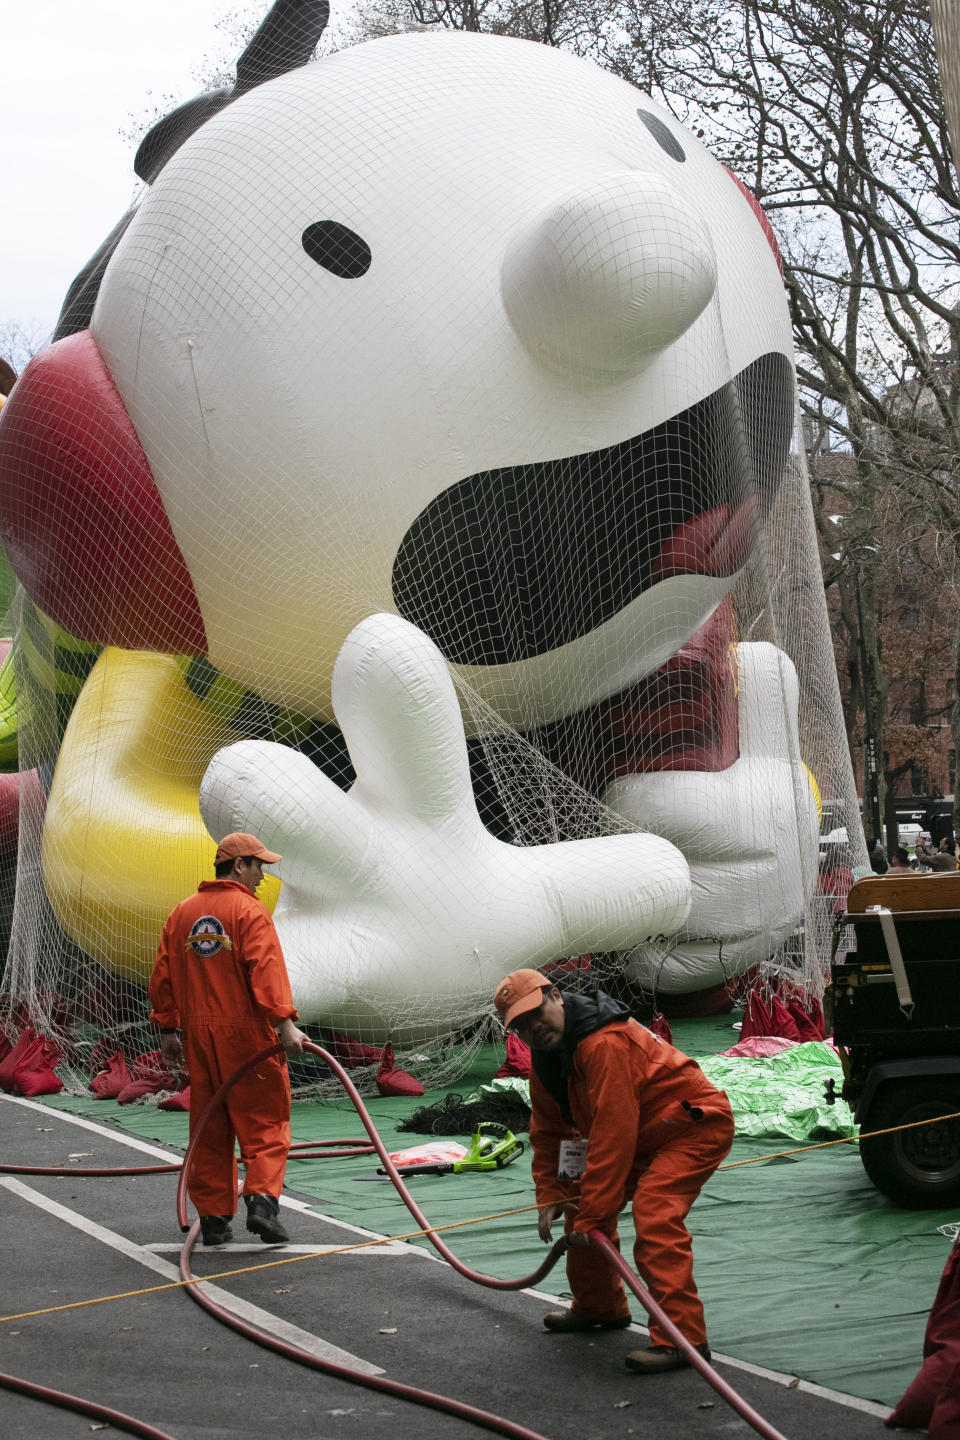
x=141 y=741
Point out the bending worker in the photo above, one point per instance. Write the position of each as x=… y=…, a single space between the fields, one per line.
x=619 y=1117
x=220 y=982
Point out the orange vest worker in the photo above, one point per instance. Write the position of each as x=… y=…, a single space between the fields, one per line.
x=619 y=1118
x=220 y=981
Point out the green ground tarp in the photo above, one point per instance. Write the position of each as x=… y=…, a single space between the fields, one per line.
x=803 y=1266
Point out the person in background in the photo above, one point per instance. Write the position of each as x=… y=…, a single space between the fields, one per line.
x=900 y=862
x=619 y=1117
x=220 y=994
x=878 y=861
x=943 y=859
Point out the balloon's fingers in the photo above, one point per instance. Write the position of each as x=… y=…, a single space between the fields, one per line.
x=396 y=704
x=280 y=796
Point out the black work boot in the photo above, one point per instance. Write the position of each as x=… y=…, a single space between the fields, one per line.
x=215 y=1229
x=263 y=1218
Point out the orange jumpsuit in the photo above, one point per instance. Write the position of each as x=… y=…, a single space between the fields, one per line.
x=220 y=977
x=627 y=1089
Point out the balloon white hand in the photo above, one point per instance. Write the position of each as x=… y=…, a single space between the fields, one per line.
x=399 y=910
x=749 y=834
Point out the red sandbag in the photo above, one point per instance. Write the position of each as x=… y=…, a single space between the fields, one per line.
x=351 y=1053
x=807 y=1013
x=26 y=1044
x=107 y=1084
x=931 y=1391
x=28 y=1068
x=101 y=1055
x=38 y=1079
x=660 y=1025
x=391 y=1081
x=148 y=1076
x=519 y=1061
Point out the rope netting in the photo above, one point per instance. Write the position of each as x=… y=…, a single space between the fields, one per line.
x=465 y=333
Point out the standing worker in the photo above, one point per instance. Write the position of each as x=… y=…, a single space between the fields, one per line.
x=619 y=1117
x=220 y=981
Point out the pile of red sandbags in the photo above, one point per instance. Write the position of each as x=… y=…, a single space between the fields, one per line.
x=782 y=1009
x=147 y=1075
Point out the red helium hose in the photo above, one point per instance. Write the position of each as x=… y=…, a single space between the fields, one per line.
x=83 y=1407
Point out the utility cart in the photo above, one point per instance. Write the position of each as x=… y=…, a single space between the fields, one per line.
x=894 y=1002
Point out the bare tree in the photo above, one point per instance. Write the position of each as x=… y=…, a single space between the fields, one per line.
x=19 y=342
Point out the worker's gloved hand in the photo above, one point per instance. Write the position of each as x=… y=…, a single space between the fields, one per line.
x=396 y=899
x=749 y=835
x=576 y=1238
x=545 y=1221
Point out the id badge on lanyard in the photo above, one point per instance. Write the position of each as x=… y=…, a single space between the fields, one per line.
x=573 y=1159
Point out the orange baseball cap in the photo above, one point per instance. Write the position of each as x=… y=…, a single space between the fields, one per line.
x=239 y=845
x=518 y=992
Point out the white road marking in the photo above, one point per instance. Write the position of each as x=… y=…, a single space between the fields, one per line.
x=242 y=1308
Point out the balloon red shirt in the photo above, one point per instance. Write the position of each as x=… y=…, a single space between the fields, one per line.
x=626 y=1093
x=220 y=962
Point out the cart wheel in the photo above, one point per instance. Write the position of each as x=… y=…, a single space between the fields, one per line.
x=919 y=1169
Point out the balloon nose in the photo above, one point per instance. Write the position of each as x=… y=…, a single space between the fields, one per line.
x=609 y=277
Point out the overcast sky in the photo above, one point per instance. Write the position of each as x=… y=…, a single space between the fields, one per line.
x=72 y=74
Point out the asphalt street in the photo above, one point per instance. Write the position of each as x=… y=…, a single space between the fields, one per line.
x=391 y=1310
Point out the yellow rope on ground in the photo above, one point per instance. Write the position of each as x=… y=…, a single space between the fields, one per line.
x=433 y=1230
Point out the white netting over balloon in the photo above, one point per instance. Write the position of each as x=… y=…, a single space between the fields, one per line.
x=423 y=496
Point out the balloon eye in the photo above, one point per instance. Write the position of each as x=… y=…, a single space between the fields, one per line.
x=341 y=251
x=663 y=136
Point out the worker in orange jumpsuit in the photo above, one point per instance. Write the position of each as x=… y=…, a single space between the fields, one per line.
x=619 y=1117
x=220 y=982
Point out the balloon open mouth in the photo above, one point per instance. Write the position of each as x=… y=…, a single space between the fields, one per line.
x=510 y=564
